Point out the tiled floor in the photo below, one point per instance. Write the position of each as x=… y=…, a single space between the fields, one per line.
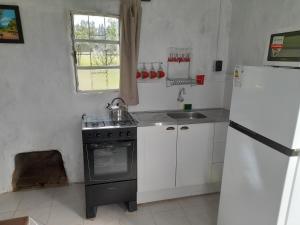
x=65 y=206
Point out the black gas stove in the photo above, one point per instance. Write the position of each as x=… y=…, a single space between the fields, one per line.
x=110 y=162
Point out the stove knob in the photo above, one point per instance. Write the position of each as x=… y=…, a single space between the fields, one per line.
x=98 y=134
x=109 y=135
x=120 y=133
x=128 y=134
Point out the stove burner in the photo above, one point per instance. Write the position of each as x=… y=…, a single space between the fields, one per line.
x=94 y=124
x=91 y=123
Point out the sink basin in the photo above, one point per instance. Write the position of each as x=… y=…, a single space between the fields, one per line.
x=186 y=115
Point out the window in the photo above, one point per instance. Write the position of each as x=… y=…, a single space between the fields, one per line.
x=96 y=46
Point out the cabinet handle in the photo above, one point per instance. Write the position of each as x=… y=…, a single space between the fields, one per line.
x=171 y=128
x=184 y=128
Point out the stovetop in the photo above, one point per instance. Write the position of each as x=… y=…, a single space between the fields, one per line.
x=93 y=122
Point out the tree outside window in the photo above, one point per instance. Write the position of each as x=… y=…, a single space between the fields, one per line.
x=97 y=50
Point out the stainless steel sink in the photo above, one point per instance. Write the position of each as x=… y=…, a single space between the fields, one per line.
x=186 y=115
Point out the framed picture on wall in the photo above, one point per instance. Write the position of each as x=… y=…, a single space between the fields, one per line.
x=10 y=24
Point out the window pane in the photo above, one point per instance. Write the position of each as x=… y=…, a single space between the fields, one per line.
x=105 y=55
x=93 y=80
x=81 y=27
x=104 y=28
x=83 y=53
x=96 y=54
x=91 y=53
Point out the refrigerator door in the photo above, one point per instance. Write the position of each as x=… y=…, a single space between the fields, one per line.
x=257 y=182
x=266 y=100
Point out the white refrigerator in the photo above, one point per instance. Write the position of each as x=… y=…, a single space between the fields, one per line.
x=261 y=177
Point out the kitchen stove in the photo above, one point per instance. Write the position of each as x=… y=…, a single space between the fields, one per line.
x=110 y=162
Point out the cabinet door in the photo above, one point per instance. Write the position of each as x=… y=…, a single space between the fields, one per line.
x=156 y=157
x=219 y=151
x=220 y=134
x=194 y=148
x=216 y=172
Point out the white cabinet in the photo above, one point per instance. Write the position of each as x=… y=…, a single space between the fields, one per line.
x=156 y=157
x=194 y=147
x=219 y=151
x=220 y=131
x=216 y=172
x=180 y=160
x=219 y=145
x=220 y=134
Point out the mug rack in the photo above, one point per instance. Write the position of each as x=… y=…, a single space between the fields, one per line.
x=179 y=67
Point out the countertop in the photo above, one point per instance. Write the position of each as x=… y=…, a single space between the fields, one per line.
x=160 y=118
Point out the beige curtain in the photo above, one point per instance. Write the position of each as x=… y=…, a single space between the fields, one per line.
x=130 y=19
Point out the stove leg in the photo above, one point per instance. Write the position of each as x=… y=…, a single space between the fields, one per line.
x=91 y=212
x=132 y=206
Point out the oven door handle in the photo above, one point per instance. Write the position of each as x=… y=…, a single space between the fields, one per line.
x=99 y=146
x=110 y=145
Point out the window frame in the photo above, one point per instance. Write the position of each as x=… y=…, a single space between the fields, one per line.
x=74 y=57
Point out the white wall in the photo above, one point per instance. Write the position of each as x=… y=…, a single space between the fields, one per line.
x=252 y=21
x=39 y=108
x=191 y=23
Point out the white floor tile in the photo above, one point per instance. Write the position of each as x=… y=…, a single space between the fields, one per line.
x=203 y=201
x=176 y=217
x=97 y=222
x=70 y=197
x=201 y=219
x=198 y=201
x=198 y=216
x=40 y=215
x=140 y=217
x=10 y=201
x=77 y=206
x=70 y=192
x=212 y=197
x=6 y=215
x=107 y=215
x=63 y=215
x=162 y=206
x=36 y=199
x=66 y=206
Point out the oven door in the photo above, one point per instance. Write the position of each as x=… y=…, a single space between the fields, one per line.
x=110 y=162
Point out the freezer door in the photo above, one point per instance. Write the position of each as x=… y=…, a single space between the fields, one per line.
x=266 y=100
x=256 y=184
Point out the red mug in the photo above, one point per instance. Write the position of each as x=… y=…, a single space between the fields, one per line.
x=161 y=74
x=145 y=74
x=138 y=75
x=200 y=79
x=153 y=74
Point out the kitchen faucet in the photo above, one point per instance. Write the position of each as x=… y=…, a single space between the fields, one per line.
x=180 y=95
